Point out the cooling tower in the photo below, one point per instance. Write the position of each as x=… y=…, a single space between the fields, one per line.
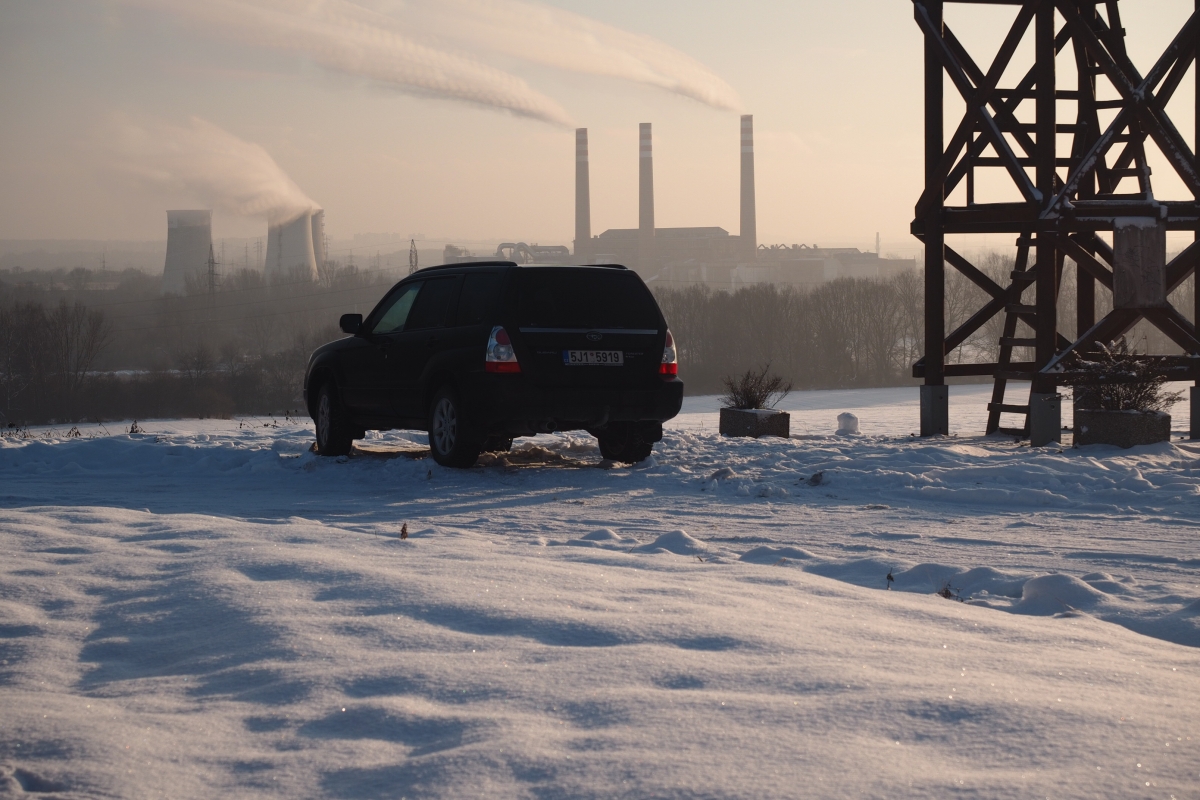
x=290 y=254
x=318 y=237
x=189 y=241
x=646 y=259
x=583 y=198
x=749 y=231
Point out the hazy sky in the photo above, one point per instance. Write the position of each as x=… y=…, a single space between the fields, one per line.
x=103 y=99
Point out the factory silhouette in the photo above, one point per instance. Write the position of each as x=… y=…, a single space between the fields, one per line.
x=709 y=256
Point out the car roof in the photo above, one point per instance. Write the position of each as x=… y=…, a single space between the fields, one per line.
x=470 y=265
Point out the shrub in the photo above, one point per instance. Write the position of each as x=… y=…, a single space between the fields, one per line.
x=1116 y=379
x=754 y=389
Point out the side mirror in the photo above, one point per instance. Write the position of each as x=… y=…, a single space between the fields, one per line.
x=350 y=323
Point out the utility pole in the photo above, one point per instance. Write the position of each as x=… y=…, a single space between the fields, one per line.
x=412 y=256
x=258 y=256
x=212 y=271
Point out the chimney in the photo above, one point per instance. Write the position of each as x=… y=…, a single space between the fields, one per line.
x=189 y=241
x=749 y=231
x=583 y=198
x=646 y=260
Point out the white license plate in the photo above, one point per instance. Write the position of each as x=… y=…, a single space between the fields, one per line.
x=594 y=358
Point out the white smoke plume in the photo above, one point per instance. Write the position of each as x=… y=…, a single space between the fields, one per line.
x=202 y=160
x=565 y=40
x=350 y=38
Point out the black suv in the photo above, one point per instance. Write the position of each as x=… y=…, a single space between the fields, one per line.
x=479 y=353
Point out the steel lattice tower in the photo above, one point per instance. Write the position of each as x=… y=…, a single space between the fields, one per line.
x=1068 y=198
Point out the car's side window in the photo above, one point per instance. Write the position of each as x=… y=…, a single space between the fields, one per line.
x=433 y=304
x=477 y=298
x=396 y=314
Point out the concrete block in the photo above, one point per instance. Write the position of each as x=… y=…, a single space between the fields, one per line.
x=935 y=411
x=755 y=422
x=1194 y=431
x=1045 y=418
x=1122 y=428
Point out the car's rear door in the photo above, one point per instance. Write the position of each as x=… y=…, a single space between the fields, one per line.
x=590 y=327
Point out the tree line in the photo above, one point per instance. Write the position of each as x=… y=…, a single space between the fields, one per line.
x=856 y=332
x=100 y=346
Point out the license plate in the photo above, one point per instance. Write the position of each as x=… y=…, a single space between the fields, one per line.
x=594 y=358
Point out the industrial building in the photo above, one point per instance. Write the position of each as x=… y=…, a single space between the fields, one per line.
x=189 y=246
x=709 y=255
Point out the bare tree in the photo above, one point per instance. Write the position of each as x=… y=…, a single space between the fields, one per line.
x=74 y=337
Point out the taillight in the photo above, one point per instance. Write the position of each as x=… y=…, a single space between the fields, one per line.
x=670 y=362
x=500 y=355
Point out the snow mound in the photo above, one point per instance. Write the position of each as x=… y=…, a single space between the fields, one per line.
x=601 y=535
x=767 y=554
x=677 y=542
x=1054 y=594
x=603 y=538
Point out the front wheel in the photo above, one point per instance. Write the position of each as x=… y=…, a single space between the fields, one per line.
x=334 y=437
x=450 y=438
x=621 y=441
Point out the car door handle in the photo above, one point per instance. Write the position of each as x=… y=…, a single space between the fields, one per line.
x=432 y=340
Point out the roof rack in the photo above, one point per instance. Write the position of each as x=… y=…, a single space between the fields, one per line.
x=469 y=264
x=512 y=264
x=585 y=266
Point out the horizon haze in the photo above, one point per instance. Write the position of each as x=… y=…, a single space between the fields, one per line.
x=405 y=117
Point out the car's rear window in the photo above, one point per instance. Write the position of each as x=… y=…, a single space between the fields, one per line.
x=584 y=298
x=478 y=297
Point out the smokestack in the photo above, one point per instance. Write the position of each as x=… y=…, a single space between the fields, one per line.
x=189 y=241
x=290 y=254
x=583 y=198
x=645 y=198
x=749 y=231
x=318 y=237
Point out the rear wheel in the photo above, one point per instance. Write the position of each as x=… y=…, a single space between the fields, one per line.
x=334 y=437
x=624 y=442
x=451 y=441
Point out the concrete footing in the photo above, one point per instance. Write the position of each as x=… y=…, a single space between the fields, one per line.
x=1194 y=425
x=935 y=411
x=1045 y=419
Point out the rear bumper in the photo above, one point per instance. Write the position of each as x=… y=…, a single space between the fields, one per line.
x=511 y=404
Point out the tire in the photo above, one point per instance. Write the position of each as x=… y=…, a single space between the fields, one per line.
x=451 y=440
x=621 y=441
x=497 y=444
x=334 y=436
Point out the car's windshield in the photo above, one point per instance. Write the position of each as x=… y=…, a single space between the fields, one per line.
x=584 y=298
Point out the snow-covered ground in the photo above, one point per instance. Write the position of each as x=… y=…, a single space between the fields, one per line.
x=208 y=609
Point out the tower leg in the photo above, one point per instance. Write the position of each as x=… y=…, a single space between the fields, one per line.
x=1045 y=418
x=935 y=411
x=1194 y=428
